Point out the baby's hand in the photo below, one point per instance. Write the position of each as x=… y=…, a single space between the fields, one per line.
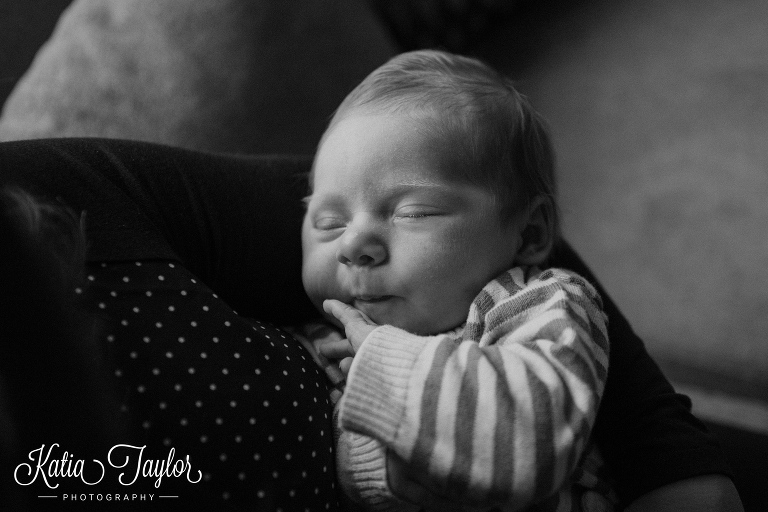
x=313 y=336
x=357 y=327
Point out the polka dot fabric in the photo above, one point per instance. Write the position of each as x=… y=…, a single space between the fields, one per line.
x=241 y=397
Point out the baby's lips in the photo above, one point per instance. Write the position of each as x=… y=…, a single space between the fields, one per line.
x=371 y=298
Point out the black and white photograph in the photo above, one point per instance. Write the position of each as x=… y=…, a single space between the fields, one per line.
x=383 y=255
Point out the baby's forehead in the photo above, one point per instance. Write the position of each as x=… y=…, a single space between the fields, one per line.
x=443 y=134
x=449 y=153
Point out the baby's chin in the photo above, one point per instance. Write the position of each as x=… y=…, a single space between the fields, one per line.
x=397 y=313
x=393 y=311
x=419 y=321
x=420 y=326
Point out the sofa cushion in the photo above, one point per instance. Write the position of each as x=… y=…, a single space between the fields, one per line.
x=229 y=75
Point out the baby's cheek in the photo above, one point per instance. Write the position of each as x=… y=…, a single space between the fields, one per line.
x=319 y=277
x=314 y=285
x=311 y=275
x=441 y=301
x=453 y=280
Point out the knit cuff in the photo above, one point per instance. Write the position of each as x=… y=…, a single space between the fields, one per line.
x=365 y=472
x=377 y=385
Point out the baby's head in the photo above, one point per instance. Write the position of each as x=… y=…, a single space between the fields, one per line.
x=433 y=177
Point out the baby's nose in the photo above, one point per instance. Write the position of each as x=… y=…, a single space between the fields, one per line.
x=361 y=249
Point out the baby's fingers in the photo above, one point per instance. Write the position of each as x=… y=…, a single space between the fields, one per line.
x=344 y=365
x=337 y=349
x=344 y=313
x=356 y=324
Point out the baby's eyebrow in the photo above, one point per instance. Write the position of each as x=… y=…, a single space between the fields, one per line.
x=416 y=185
x=322 y=200
x=416 y=182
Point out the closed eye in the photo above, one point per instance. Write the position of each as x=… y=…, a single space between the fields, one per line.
x=416 y=212
x=329 y=223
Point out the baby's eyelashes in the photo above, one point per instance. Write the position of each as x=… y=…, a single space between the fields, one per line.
x=414 y=215
x=416 y=212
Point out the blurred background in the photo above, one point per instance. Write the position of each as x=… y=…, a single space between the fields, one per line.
x=659 y=112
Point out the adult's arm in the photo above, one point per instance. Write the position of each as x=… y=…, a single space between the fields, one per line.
x=656 y=448
x=706 y=493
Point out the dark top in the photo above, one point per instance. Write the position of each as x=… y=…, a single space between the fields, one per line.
x=234 y=221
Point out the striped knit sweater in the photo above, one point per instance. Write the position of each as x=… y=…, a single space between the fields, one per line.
x=498 y=416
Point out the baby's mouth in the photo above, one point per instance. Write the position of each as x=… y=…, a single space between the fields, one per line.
x=371 y=299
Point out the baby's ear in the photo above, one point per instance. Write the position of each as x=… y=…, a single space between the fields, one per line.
x=537 y=235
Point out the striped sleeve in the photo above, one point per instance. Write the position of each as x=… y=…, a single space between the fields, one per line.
x=502 y=416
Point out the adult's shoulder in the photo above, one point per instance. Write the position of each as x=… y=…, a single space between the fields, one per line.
x=232 y=220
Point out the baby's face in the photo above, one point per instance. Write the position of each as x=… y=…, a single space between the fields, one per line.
x=388 y=233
